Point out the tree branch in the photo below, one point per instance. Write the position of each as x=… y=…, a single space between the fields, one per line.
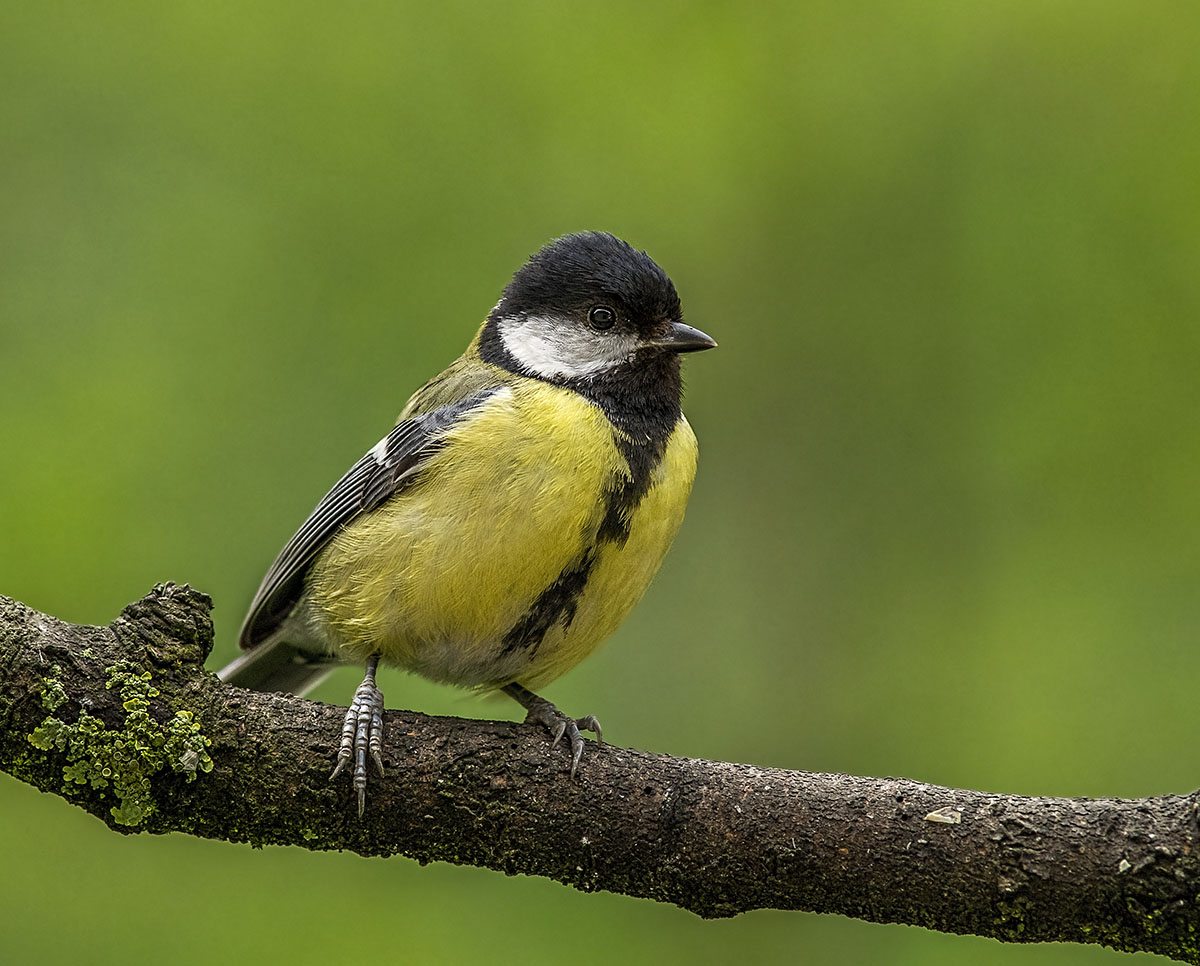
x=124 y=722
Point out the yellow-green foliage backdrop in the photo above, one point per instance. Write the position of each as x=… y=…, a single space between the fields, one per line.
x=947 y=518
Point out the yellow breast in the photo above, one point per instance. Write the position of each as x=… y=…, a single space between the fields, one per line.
x=437 y=576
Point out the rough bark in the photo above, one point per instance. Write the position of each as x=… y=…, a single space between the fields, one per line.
x=124 y=722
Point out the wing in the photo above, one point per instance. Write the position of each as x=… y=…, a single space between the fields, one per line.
x=389 y=465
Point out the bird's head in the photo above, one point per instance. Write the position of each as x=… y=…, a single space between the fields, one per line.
x=587 y=305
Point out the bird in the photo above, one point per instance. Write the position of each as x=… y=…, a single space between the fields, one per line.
x=512 y=517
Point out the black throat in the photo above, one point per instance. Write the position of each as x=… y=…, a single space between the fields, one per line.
x=642 y=402
x=640 y=398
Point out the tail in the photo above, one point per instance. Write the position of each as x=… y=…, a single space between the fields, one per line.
x=276 y=665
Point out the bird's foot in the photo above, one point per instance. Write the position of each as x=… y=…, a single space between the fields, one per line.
x=540 y=711
x=362 y=734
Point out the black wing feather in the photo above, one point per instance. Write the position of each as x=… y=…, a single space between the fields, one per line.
x=380 y=474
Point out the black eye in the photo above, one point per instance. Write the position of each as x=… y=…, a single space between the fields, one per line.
x=602 y=317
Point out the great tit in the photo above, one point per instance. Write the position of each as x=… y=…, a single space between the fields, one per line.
x=515 y=514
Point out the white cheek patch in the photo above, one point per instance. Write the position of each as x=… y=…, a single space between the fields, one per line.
x=559 y=348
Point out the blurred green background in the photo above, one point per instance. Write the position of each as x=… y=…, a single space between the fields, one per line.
x=947 y=521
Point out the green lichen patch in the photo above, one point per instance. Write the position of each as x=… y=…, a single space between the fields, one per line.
x=53 y=693
x=122 y=760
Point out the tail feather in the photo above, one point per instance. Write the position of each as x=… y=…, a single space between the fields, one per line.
x=276 y=665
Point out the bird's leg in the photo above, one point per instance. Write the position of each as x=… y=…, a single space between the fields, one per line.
x=540 y=711
x=363 y=733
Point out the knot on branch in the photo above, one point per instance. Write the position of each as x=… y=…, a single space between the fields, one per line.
x=172 y=624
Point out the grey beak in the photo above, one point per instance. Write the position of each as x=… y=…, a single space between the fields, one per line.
x=683 y=338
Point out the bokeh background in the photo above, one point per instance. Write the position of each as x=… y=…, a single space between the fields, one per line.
x=946 y=523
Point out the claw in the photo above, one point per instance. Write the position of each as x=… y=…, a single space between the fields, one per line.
x=576 y=747
x=591 y=724
x=540 y=711
x=362 y=733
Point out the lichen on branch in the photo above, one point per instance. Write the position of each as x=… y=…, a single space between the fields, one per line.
x=122 y=759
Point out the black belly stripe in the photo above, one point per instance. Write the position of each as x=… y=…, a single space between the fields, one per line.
x=556 y=604
x=627 y=491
